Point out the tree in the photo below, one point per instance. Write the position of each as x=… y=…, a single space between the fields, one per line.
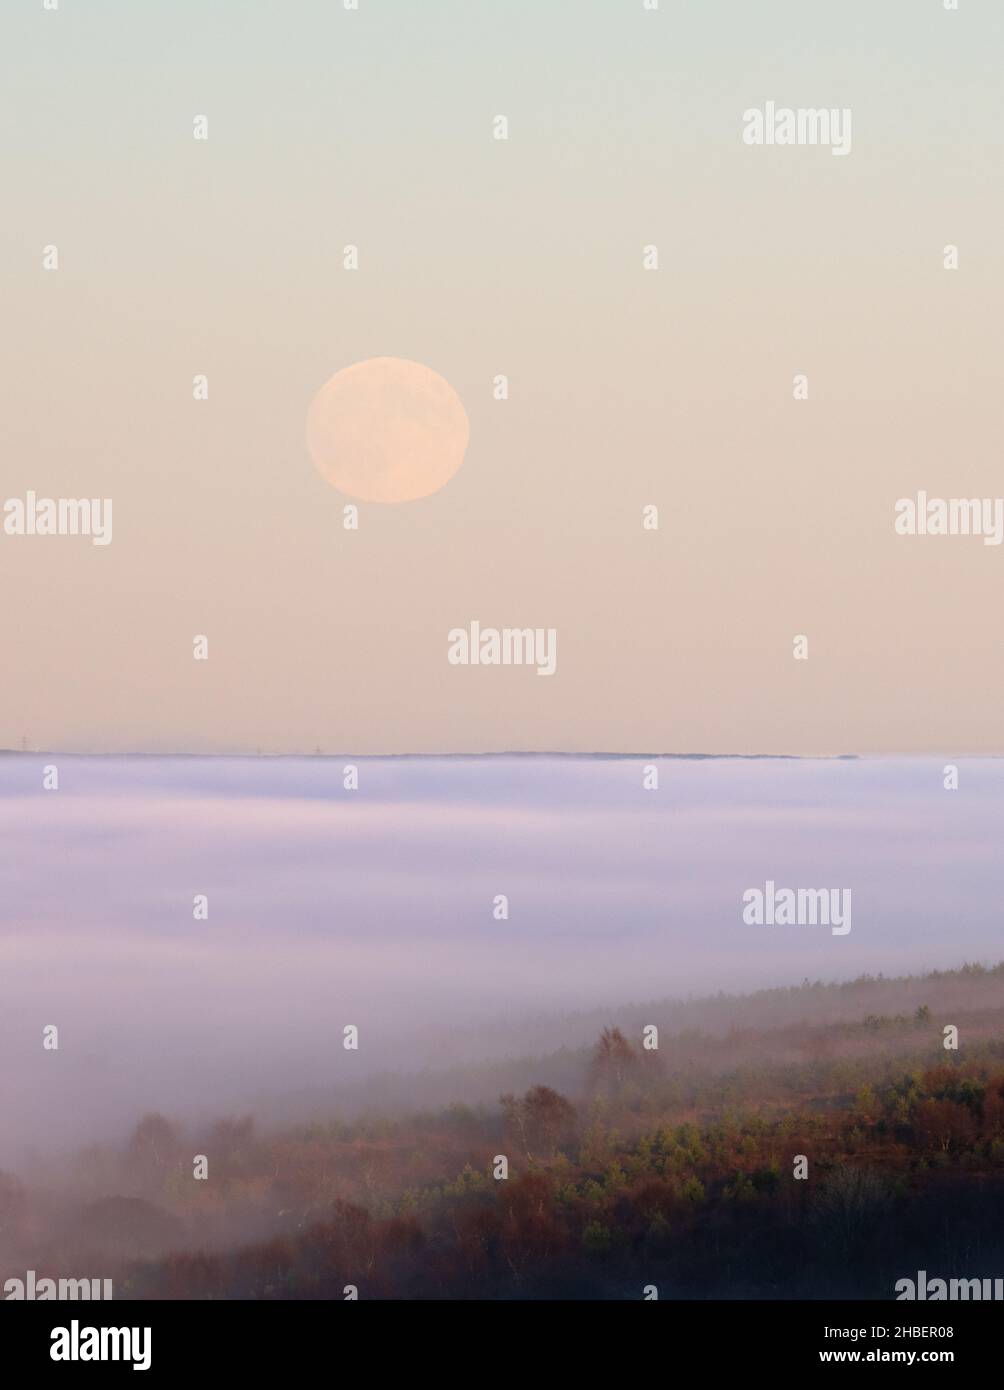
x=153 y=1148
x=849 y=1207
x=867 y=1102
x=944 y=1123
x=613 y=1059
x=543 y=1119
x=229 y=1142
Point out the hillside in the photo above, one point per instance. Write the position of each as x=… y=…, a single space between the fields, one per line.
x=626 y=1167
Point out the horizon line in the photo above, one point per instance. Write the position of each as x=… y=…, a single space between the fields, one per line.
x=467 y=753
x=484 y=754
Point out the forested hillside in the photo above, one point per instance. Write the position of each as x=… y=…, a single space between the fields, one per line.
x=626 y=1165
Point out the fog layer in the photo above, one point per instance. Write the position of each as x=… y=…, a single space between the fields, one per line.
x=376 y=907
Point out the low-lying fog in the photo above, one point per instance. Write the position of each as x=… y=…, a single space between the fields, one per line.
x=374 y=907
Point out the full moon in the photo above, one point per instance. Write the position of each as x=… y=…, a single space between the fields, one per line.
x=387 y=430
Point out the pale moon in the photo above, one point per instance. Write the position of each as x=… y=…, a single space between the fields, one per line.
x=387 y=430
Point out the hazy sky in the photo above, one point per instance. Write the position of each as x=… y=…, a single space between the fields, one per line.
x=522 y=257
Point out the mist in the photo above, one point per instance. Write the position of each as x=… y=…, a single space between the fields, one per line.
x=375 y=907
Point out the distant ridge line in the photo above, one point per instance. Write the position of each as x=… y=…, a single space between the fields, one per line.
x=441 y=757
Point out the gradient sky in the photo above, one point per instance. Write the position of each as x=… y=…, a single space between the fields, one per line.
x=479 y=257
